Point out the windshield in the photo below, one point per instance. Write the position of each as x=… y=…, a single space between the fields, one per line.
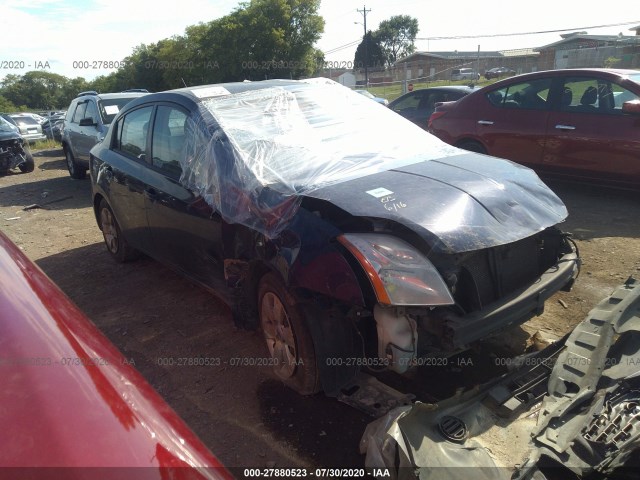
x=635 y=78
x=26 y=120
x=302 y=137
x=6 y=126
x=365 y=93
x=109 y=108
x=291 y=140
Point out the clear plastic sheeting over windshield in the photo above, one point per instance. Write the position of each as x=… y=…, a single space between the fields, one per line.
x=261 y=149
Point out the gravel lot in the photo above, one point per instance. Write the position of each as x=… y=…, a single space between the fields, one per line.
x=245 y=416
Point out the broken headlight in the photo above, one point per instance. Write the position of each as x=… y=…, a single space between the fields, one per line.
x=399 y=273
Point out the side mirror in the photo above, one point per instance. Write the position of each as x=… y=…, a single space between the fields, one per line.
x=87 y=122
x=632 y=106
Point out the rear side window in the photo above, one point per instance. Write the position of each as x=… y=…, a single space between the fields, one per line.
x=594 y=95
x=168 y=139
x=133 y=132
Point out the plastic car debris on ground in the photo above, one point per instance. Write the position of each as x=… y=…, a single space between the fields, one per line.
x=571 y=409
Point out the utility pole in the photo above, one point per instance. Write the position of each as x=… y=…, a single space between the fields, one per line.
x=364 y=12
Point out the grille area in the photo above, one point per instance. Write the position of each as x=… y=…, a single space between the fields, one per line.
x=488 y=275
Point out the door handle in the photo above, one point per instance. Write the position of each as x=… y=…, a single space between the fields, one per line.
x=565 y=127
x=485 y=122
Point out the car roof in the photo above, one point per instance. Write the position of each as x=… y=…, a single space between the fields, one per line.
x=188 y=96
x=108 y=96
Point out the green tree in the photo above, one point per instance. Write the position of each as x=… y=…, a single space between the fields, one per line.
x=260 y=39
x=371 y=51
x=6 y=105
x=397 y=37
x=40 y=90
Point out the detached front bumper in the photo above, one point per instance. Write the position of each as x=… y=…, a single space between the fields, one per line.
x=514 y=310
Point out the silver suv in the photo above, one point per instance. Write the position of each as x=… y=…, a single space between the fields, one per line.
x=87 y=121
x=464 y=74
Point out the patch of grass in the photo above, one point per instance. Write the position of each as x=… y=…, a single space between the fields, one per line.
x=47 y=144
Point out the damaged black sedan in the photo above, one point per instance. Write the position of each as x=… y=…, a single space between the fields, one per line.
x=14 y=150
x=350 y=236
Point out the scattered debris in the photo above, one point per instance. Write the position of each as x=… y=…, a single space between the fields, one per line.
x=42 y=206
x=563 y=303
x=373 y=397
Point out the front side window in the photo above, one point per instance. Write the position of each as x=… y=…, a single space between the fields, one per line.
x=133 y=132
x=530 y=95
x=409 y=103
x=91 y=112
x=79 y=113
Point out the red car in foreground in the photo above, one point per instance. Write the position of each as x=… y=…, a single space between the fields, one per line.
x=579 y=124
x=71 y=406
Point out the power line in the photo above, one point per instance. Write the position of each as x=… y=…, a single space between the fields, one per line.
x=342 y=47
x=530 y=33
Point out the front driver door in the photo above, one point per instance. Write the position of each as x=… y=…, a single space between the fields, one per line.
x=185 y=232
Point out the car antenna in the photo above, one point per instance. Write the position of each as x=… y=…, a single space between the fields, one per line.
x=185 y=83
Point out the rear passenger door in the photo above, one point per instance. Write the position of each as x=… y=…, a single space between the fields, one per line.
x=588 y=135
x=184 y=231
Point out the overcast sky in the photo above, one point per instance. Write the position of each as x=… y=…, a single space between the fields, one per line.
x=54 y=33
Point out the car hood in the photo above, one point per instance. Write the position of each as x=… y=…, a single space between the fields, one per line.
x=9 y=135
x=456 y=203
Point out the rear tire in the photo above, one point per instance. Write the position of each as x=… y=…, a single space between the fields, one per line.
x=472 y=146
x=75 y=170
x=116 y=245
x=28 y=165
x=287 y=336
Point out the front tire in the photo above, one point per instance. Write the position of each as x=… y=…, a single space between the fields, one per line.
x=28 y=165
x=116 y=245
x=75 y=170
x=287 y=336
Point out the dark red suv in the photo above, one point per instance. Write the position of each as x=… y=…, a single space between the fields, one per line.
x=582 y=124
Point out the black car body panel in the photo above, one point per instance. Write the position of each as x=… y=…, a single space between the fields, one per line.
x=252 y=192
x=455 y=203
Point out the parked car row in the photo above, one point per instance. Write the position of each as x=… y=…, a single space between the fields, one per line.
x=578 y=124
x=498 y=72
x=28 y=127
x=53 y=125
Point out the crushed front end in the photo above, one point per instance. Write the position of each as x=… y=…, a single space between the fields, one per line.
x=468 y=296
x=568 y=411
x=12 y=152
